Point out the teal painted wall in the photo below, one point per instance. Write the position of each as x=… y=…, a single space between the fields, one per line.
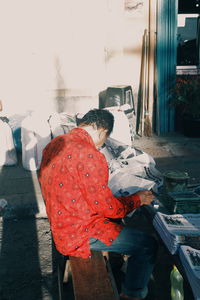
x=165 y=62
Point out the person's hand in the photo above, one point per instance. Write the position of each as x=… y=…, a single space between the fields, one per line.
x=146 y=197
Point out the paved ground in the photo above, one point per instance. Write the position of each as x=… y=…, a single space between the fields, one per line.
x=25 y=241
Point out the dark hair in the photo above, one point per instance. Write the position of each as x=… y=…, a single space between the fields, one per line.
x=99 y=117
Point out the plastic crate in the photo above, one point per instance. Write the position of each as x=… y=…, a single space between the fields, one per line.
x=182 y=202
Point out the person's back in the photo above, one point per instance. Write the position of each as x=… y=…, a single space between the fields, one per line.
x=74 y=177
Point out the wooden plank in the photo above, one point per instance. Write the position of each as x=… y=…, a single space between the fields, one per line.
x=91 y=279
x=151 y=60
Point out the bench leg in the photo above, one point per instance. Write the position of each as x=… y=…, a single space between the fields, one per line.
x=63 y=274
x=66 y=272
x=60 y=281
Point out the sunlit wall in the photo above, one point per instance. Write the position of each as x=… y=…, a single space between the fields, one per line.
x=68 y=50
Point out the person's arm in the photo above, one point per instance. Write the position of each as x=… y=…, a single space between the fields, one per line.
x=145 y=197
x=94 y=180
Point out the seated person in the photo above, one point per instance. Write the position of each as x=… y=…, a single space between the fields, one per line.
x=82 y=209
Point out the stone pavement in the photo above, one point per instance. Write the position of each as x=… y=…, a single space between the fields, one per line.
x=174 y=152
x=25 y=240
x=21 y=189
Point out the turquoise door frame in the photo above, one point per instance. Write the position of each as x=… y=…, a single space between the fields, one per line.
x=165 y=63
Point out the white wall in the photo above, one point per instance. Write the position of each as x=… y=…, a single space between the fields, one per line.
x=60 y=49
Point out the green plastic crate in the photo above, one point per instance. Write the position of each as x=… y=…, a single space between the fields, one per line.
x=182 y=202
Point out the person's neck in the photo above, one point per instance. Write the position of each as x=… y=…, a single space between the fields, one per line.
x=91 y=131
x=94 y=134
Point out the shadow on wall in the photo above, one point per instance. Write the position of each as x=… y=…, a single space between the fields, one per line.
x=74 y=100
x=60 y=98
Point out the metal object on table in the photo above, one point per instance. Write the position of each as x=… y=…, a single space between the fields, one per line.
x=175 y=181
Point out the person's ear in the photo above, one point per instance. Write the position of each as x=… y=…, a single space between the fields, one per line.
x=103 y=133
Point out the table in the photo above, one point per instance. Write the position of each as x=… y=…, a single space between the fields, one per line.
x=149 y=211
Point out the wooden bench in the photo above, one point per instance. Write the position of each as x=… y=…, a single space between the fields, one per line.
x=92 y=278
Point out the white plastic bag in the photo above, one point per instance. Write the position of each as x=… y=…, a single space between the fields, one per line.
x=55 y=125
x=35 y=135
x=130 y=170
x=122 y=131
x=61 y=123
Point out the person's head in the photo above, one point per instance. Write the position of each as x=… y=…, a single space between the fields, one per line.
x=99 y=123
